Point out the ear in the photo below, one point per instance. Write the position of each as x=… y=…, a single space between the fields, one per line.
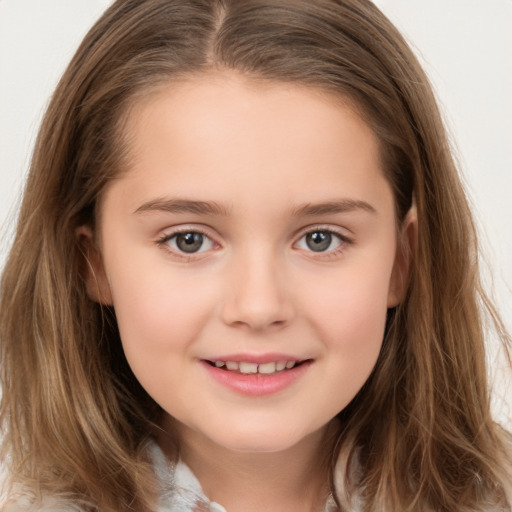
x=406 y=244
x=93 y=270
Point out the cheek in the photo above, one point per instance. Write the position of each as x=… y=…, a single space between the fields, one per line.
x=159 y=318
x=351 y=324
x=350 y=310
x=158 y=313
x=356 y=296
x=356 y=336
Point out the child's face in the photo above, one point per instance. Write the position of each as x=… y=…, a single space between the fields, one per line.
x=254 y=226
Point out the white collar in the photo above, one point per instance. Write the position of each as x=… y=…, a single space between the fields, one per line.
x=182 y=491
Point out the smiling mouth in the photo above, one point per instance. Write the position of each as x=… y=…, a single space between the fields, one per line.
x=246 y=368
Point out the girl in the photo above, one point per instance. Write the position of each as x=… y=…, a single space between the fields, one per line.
x=244 y=275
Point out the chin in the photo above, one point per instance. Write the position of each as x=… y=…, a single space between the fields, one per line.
x=261 y=440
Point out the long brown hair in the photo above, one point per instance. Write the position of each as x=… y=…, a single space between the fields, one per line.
x=75 y=421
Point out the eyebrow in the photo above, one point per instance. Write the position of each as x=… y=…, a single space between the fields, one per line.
x=183 y=206
x=333 y=207
x=213 y=208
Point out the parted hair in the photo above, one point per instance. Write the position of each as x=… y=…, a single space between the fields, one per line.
x=74 y=420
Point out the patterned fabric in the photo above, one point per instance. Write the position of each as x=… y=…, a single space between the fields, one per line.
x=181 y=490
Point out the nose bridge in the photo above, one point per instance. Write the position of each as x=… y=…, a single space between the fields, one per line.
x=257 y=294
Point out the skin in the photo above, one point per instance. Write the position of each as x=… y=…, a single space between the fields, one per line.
x=264 y=154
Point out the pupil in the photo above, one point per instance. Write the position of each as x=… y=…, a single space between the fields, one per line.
x=189 y=242
x=318 y=241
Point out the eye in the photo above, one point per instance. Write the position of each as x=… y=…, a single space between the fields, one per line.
x=320 y=240
x=189 y=242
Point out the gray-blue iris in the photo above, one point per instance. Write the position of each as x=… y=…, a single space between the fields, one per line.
x=189 y=242
x=318 y=241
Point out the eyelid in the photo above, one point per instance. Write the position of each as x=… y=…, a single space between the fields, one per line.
x=336 y=230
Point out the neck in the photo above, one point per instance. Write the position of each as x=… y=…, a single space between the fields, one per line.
x=295 y=479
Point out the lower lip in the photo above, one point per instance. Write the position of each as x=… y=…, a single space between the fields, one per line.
x=256 y=384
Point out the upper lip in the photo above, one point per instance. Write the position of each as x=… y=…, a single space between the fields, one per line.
x=255 y=358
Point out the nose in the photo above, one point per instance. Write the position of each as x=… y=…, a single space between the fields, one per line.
x=258 y=294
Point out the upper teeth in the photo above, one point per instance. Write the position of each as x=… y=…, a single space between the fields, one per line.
x=264 y=368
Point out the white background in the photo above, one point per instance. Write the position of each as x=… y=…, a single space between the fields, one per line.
x=465 y=46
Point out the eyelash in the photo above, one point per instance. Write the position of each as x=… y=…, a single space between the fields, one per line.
x=344 y=241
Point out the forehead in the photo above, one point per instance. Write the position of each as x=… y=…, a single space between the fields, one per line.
x=229 y=99
x=224 y=134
